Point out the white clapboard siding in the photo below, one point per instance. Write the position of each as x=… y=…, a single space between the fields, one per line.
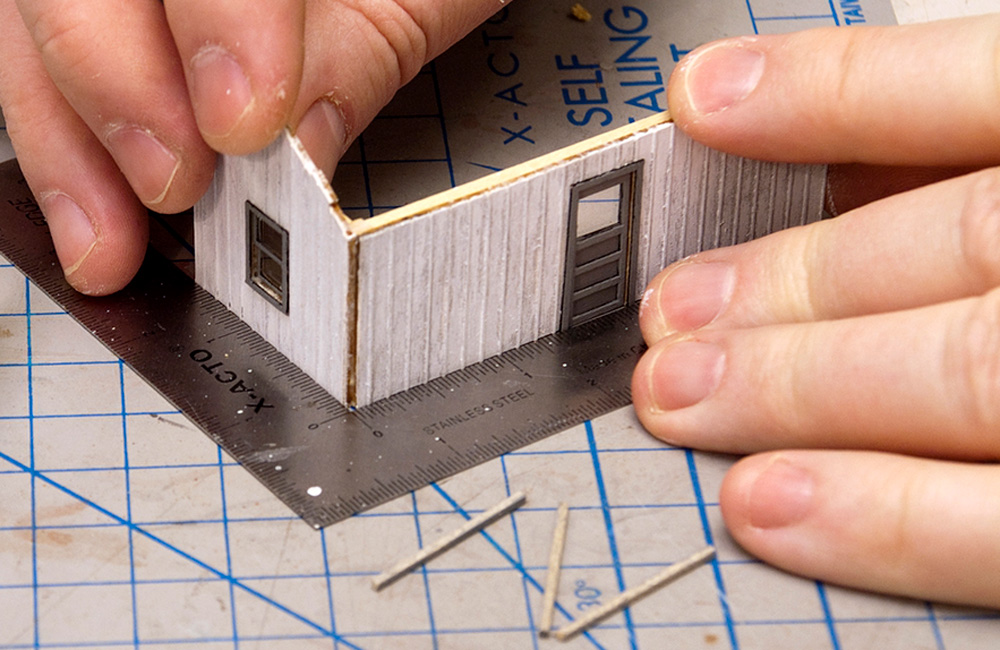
x=479 y=275
x=495 y=263
x=469 y=273
x=284 y=184
x=653 y=238
x=711 y=199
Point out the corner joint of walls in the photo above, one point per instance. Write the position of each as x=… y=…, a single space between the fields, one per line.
x=353 y=253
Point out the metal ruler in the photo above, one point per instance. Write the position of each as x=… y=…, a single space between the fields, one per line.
x=325 y=461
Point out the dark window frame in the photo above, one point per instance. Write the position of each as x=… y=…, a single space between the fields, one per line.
x=267 y=259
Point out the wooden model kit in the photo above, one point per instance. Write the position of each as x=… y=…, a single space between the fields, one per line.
x=576 y=626
x=448 y=541
x=528 y=181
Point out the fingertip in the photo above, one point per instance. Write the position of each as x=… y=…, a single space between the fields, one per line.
x=686 y=296
x=100 y=255
x=191 y=181
x=715 y=77
x=669 y=383
x=237 y=113
x=150 y=165
x=220 y=92
x=324 y=134
x=726 y=94
x=766 y=492
x=168 y=171
x=107 y=269
x=831 y=94
x=773 y=506
x=868 y=520
x=73 y=232
x=243 y=67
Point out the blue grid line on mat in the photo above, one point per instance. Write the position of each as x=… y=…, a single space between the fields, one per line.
x=325 y=624
x=323 y=628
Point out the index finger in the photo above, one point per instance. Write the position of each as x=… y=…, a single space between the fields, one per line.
x=116 y=64
x=917 y=94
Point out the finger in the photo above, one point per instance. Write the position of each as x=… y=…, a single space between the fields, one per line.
x=359 y=53
x=913 y=527
x=117 y=66
x=864 y=94
x=929 y=245
x=924 y=381
x=98 y=226
x=243 y=65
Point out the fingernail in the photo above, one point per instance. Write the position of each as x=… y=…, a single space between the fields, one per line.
x=323 y=132
x=73 y=233
x=690 y=296
x=781 y=495
x=721 y=75
x=147 y=163
x=685 y=373
x=220 y=91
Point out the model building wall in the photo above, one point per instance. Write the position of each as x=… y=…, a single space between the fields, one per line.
x=282 y=182
x=481 y=275
x=714 y=200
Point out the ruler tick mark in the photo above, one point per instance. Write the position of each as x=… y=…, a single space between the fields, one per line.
x=246 y=396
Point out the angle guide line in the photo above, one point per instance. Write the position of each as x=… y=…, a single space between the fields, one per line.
x=324 y=460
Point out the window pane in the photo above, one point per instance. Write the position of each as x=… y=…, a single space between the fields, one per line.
x=269 y=238
x=598 y=210
x=270 y=271
x=267 y=257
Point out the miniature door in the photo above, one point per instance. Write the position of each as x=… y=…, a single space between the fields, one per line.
x=600 y=250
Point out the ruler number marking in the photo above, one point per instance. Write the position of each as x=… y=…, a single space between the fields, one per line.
x=225 y=376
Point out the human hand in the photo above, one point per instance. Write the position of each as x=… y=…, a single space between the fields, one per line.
x=867 y=346
x=115 y=107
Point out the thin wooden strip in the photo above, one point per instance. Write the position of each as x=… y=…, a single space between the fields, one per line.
x=626 y=598
x=555 y=567
x=516 y=173
x=431 y=551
